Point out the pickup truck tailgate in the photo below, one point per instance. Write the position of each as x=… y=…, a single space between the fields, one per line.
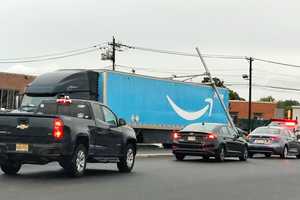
x=26 y=128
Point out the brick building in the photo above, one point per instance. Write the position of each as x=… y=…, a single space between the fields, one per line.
x=260 y=110
x=12 y=86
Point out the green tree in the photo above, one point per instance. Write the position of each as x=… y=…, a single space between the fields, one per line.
x=287 y=104
x=235 y=96
x=267 y=99
x=219 y=83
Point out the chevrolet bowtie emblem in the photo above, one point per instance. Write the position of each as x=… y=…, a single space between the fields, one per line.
x=23 y=126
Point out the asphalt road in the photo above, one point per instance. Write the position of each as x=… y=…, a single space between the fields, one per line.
x=161 y=178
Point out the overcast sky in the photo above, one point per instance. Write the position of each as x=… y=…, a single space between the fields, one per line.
x=261 y=28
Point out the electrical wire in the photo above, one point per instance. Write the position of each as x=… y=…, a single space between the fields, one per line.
x=53 y=54
x=50 y=58
x=277 y=63
x=182 y=53
x=264 y=86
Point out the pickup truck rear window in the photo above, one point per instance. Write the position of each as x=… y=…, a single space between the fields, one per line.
x=78 y=110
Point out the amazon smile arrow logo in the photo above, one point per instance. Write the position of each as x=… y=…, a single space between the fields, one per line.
x=192 y=115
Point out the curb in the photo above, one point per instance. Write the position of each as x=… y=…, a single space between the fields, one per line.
x=150 y=145
x=154 y=155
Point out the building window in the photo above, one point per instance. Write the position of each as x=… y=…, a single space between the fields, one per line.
x=258 y=116
x=9 y=99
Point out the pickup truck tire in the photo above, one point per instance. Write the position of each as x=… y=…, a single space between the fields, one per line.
x=11 y=168
x=76 y=164
x=126 y=162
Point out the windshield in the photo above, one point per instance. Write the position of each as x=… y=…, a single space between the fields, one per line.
x=30 y=103
x=266 y=131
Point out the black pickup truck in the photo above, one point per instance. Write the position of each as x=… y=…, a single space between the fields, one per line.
x=71 y=132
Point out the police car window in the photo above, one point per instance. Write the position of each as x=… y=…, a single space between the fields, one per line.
x=109 y=117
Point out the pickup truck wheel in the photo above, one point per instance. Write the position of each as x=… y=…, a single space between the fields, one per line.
x=126 y=162
x=75 y=166
x=11 y=168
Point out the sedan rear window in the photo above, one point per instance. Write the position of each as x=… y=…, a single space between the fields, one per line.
x=266 y=131
x=200 y=127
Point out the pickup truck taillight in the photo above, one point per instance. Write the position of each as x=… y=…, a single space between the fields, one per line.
x=58 y=129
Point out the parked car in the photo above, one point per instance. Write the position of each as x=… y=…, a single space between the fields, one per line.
x=71 y=132
x=209 y=140
x=275 y=140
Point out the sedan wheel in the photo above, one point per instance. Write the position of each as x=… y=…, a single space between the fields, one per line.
x=284 y=153
x=220 y=154
x=179 y=157
x=244 y=155
x=268 y=155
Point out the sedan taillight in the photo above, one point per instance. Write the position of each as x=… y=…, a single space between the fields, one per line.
x=211 y=136
x=275 y=139
x=176 y=136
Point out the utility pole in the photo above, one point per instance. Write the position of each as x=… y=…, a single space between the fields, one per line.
x=215 y=89
x=114 y=54
x=250 y=95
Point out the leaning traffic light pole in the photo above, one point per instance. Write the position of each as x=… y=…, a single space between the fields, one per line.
x=215 y=89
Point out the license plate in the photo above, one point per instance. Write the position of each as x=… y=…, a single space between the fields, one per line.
x=260 y=141
x=191 y=138
x=22 y=147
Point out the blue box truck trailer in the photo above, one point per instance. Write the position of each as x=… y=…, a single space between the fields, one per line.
x=152 y=106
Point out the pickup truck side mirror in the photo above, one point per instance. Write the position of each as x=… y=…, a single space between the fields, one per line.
x=122 y=122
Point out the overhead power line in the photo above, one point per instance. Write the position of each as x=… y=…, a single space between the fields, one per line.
x=52 y=56
x=182 y=53
x=264 y=86
x=277 y=63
